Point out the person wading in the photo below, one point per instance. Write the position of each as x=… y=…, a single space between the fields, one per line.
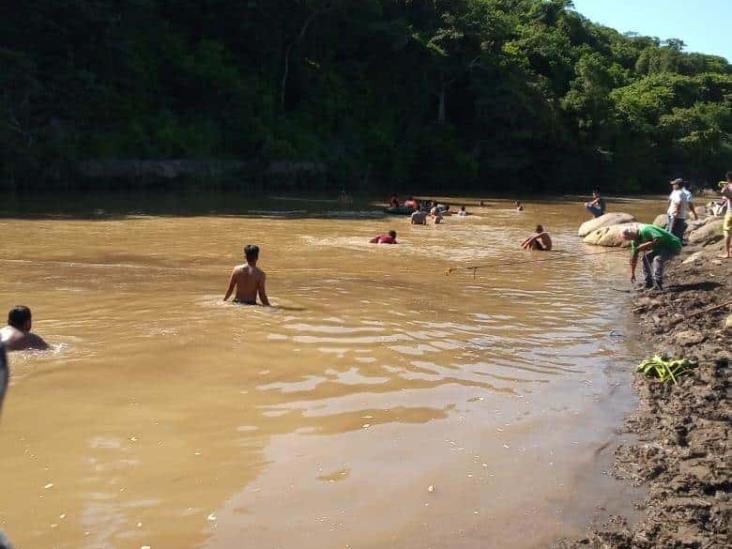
x=248 y=279
x=17 y=335
x=540 y=241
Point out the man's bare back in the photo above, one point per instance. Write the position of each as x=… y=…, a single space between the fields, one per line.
x=248 y=280
x=17 y=335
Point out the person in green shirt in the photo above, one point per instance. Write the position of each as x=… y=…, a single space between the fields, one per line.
x=658 y=246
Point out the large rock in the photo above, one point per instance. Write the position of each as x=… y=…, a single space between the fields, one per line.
x=606 y=220
x=709 y=233
x=661 y=221
x=608 y=236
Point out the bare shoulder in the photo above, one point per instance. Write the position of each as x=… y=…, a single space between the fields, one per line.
x=34 y=341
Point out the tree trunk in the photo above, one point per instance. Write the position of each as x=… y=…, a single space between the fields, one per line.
x=441 y=105
x=288 y=51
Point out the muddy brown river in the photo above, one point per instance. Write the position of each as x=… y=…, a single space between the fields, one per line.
x=381 y=403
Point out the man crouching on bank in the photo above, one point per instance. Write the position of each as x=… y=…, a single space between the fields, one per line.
x=657 y=245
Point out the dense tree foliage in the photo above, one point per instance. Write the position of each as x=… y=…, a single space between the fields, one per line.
x=414 y=94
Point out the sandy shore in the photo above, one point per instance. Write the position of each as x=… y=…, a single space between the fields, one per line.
x=681 y=449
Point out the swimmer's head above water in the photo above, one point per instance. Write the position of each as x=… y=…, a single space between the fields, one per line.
x=251 y=253
x=20 y=318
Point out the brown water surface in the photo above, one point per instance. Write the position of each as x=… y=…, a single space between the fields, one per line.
x=381 y=404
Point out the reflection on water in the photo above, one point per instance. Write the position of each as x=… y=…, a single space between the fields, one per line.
x=167 y=418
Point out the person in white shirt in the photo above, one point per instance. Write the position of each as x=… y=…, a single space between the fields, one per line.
x=680 y=201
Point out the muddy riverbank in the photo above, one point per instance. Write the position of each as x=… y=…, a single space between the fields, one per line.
x=681 y=452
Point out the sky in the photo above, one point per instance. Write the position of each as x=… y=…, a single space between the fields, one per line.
x=703 y=25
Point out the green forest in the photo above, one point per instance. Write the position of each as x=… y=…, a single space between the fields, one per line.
x=475 y=95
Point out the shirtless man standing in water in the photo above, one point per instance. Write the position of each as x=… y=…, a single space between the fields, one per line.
x=248 y=280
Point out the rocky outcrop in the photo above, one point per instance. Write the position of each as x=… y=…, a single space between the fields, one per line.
x=606 y=220
x=608 y=236
x=661 y=221
x=708 y=233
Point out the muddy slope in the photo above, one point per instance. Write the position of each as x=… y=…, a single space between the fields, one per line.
x=682 y=449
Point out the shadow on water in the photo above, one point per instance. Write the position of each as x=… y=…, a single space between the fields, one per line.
x=108 y=205
x=191 y=202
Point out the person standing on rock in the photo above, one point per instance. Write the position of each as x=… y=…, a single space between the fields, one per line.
x=680 y=201
x=657 y=246
x=596 y=206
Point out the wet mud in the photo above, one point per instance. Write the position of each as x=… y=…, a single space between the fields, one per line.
x=681 y=451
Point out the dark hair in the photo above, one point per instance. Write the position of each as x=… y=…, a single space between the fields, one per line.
x=539 y=229
x=392 y=234
x=251 y=251
x=595 y=191
x=728 y=175
x=18 y=316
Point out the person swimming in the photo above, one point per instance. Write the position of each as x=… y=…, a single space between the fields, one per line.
x=249 y=280
x=388 y=238
x=519 y=207
x=436 y=214
x=463 y=211
x=419 y=217
x=17 y=335
x=411 y=203
x=539 y=241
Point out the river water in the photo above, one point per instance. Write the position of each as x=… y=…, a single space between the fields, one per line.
x=382 y=403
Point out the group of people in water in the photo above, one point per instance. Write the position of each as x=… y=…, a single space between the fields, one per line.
x=247 y=282
x=436 y=211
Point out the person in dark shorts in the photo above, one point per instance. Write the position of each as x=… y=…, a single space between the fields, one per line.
x=596 y=206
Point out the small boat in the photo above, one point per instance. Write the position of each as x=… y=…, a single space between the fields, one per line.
x=401 y=210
